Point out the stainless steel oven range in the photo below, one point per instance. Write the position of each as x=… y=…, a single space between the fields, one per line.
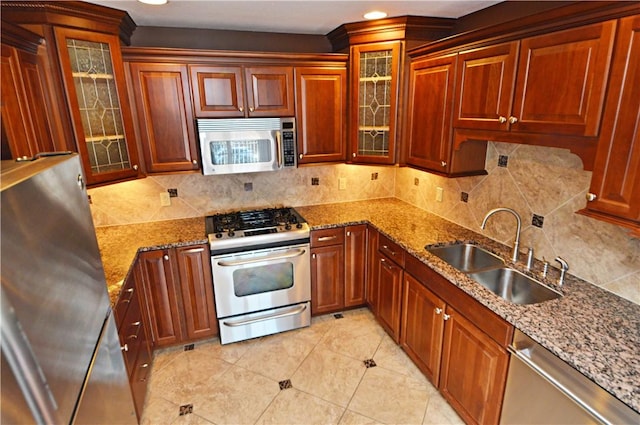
x=261 y=272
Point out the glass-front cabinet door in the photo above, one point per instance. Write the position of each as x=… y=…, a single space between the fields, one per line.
x=373 y=113
x=96 y=93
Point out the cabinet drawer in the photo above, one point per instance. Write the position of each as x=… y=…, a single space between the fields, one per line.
x=326 y=237
x=391 y=249
x=131 y=333
x=124 y=301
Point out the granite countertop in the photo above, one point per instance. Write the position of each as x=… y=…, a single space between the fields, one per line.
x=595 y=331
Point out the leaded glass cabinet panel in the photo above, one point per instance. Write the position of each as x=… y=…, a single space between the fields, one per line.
x=375 y=99
x=94 y=82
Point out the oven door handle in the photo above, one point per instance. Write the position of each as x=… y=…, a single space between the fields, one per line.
x=292 y=312
x=288 y=254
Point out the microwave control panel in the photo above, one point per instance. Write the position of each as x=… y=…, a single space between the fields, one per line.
x=288 y=143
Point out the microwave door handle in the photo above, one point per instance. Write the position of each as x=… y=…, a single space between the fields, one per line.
x=278 y=148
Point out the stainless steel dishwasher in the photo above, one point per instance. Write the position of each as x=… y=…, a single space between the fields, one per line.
x=542 y=389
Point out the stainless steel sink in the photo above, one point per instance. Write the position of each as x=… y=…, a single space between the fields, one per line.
x=514 y=286
x=467 y=257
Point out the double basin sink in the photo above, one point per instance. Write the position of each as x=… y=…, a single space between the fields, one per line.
x=491 y=272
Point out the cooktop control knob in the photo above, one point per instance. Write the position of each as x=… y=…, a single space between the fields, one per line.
x=231 y=233
x=299 y=226
x=287 y=226
x=218 y=235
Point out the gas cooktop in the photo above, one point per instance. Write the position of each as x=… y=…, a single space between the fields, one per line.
x=246 y=229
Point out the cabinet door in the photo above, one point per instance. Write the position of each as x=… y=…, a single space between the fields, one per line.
x=485 y=83
x=321 y=96
x=196 y=284
x=96 y=92
x=217 y=91
x=430 y=105
x=615 y=184
x=161 y=296
x=327 y=279
x=422 y=327
x=25 y=125
x=163 y=103
x=373 y=111
x=270 y=91
x=474 y=371
x=389 y=296
x=562 y=80
x=372 y=270
x=355 y=249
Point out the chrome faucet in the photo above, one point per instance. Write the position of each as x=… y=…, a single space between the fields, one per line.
x=564 y=266
x=516 y=243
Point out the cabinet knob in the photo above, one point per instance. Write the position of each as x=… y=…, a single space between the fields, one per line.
x=251 y=109
x=348 y=233
x=135 y=167
x=313 y=256
x=241 y=109
x=353 y=154
x=513 y=120
x=124 y=348
x=446 y=316
x=166 y=257
x=194 y=162
x=443 y=163
x=438 y=310
x=300 y=156
x=502 y=119
x=591 y=197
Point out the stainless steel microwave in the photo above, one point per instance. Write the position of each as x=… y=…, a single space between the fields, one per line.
x=246 y=145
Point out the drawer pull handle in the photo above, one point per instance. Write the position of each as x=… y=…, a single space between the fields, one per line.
x=385 y=247
x=385 y=264
x=194 y=250
x=133 y=336
x=145 y=365
x=327 y=238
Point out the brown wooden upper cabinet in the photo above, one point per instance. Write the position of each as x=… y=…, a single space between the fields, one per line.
x=237 y=91
x=94 y=82
x=162 y=97
x=614 y=195
x=321 y=98
x=553 y=83
x=26 y=127
x=373 y=112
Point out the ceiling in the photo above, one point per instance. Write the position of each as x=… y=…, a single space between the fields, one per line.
x=302 y=17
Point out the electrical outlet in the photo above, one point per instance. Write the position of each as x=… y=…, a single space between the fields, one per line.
x=248 y=187
x=173 y=193
x=342 y=183
x=416 y=181
x=165 y=199
x=439 y=192
x=315 y=181
x=374 y=176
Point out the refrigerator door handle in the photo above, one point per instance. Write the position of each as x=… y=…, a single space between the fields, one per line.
x=23 y=364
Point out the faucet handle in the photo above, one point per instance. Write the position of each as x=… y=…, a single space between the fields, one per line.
x=564 y=266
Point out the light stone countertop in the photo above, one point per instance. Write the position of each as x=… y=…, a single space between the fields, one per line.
x=595 y=331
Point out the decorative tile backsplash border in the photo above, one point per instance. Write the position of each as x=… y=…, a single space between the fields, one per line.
x=539 y=183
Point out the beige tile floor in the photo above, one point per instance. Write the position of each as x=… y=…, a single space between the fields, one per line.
x=328 y=381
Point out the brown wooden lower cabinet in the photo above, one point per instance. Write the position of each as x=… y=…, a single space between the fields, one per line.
x=474 y=370
x=178 y=292
x=134 y=339
x=372 y=270
x=338 y=268
x=459 y=344
x=389 y=295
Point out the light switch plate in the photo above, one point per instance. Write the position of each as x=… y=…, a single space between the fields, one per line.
x=439 y=193
x=342 y=183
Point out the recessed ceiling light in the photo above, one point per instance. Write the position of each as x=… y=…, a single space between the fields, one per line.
x=375 y=14
x=154 y=2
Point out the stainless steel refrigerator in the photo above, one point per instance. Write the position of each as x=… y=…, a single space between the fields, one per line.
x=61 y=358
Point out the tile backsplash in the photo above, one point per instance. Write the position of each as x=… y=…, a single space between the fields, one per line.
x=546 y=186
x=547 y=183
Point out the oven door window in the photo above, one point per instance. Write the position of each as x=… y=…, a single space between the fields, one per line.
x=224 y=152
x=261 y=279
